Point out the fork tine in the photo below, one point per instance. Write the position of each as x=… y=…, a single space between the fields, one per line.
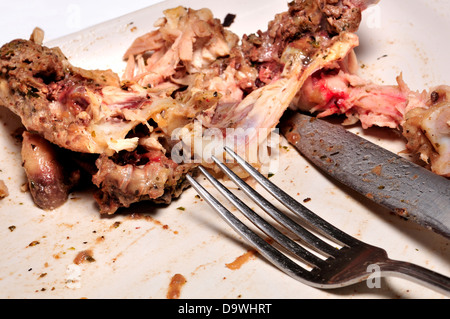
x=307 y=215
x=262 y=224
x=273 y=255
x=313 y=241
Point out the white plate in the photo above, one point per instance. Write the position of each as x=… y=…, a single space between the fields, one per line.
x=136 y=258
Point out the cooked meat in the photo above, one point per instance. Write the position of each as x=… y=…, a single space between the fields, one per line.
x=141 y=175
x=308 y=25
x=192 y=71
x=336 y=91
x=427 y=130
x=258 y=78
x=85 y=111
x=308 y=18
x=424 y=123
x=50 y=175
x=187 y=40
x=88 y=112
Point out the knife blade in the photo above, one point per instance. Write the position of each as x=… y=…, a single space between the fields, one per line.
x=386 y=178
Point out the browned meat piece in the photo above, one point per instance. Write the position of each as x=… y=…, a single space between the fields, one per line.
x=427 y=130
x=130 y=177
x=307 y=25
x=85 y=111
x=50 y=178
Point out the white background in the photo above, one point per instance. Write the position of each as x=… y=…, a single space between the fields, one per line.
x=58 y=18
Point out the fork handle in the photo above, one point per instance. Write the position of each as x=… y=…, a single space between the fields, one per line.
x=421 y=275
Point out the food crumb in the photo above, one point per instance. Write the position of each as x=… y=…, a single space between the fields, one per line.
x=3 y=190
x=84 y=256
x=33 y=243
x=377 y=170
x=239 y=261
x=25 y=187
x=176 y=283
x=116 y=224
x=100 y=239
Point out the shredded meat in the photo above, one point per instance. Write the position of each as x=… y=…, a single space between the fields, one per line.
x=191 y=69
x=309 y=36
x=427 y=131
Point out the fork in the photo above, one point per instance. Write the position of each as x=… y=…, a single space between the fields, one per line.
x=325 y=264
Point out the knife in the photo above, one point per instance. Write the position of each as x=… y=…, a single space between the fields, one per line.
x=386 y=178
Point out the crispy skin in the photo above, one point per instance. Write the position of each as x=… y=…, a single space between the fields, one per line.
x=81 y=110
